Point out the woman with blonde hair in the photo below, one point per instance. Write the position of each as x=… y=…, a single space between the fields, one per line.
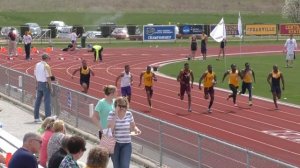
x=122 y=123
x=103 y=107
x=97 y=158
x=48 y=127
x=56 y=139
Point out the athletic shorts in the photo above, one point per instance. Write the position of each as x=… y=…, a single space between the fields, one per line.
x=276 y=89
x=86 y=82
x=126 y=91
x=185 y=88
x=209 y=90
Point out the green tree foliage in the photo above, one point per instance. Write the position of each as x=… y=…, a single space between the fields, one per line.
x=291 y=10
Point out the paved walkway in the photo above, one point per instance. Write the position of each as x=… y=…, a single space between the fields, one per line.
x=17 y=121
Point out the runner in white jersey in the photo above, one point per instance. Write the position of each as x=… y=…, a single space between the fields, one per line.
x=126 y=82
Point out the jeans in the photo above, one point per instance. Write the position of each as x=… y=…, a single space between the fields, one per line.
x=42 y=91
x=122 y=155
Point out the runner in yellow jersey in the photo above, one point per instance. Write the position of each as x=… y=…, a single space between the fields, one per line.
x=273 y=79
x=85 y=73
x=233 y=81
x=210 y=80
x=97 y=49
x=248 y=78
x=148 y=77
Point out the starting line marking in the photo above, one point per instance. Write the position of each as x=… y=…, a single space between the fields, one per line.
x=289 y=135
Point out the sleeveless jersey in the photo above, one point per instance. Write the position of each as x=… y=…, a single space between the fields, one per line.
x=148 y=79
x=234 y=78
x=126 y=79
x=248 y=77
x=209 y=79
x=276 y=78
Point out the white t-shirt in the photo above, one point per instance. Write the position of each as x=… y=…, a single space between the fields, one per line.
x=126 y=79
x=73 y=36
x=42 y=72
x=291 y=46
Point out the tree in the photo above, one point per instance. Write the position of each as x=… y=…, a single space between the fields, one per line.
x=291 y=10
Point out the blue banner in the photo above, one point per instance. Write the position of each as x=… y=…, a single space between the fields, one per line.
x=159 y=33
x=191 y=29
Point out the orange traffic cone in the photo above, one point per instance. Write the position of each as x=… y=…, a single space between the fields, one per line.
x=3 y=50
x=20 y=50
x=48 y=50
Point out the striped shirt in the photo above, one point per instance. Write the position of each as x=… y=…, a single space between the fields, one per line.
x=122 y=126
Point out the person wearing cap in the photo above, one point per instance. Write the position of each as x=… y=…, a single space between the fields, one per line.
x=97 y=49
x=42 y=73
x=12 y=42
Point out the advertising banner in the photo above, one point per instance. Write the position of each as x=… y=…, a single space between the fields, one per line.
x=191 y=29
x=231 y=29
x=261 y=29
x=290 y=28
x=159 y=33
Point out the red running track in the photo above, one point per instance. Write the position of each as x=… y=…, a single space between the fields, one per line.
x=242 y=125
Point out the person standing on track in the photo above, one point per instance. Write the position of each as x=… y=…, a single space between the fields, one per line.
x=222 y=49
x=193 y=47
x=273 y=79
x=27 y=39
x=97 y=49
x=204 y=39
x=233 y=81
x=184 y=77
x=248 y=77
x=85 y=74
x=290 y=47
x=210 y=80
x=74 y=37
x=149 y=77
x=12 y=42
x=126 y=82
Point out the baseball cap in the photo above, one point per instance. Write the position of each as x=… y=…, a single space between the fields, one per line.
x=45 y=56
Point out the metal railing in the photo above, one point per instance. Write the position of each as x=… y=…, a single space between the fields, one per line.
x=167 y=144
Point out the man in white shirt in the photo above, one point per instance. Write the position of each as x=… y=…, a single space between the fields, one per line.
x=73 y=37
x=126 y=82
x=27 y=39
x=290 y=47
x=42 y=73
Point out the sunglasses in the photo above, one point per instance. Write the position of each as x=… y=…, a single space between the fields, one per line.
x=122 y=106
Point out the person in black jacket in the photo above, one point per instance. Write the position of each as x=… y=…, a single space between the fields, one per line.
x=59 y=155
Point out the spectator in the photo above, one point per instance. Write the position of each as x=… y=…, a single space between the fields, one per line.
x=74 y=37
x=45 y=139
x=2 y=159
x=194 y=47
x=122 y=122
x=24 y=156
x=76 y=148
x=45 y=123
x=43 y=75
x=27 y=39
x=56 y=139
x=12 y=42
x=290 y=47
x=204 y=39
x=222 y=49
x=97 y=158
x=104 y=106
x=126 y=82
x=59 y=155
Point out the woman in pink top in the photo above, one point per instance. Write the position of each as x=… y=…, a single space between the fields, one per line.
x=45 y=139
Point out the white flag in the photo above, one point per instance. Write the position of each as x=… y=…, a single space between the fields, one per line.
x=219 y=32
x=240 y=26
